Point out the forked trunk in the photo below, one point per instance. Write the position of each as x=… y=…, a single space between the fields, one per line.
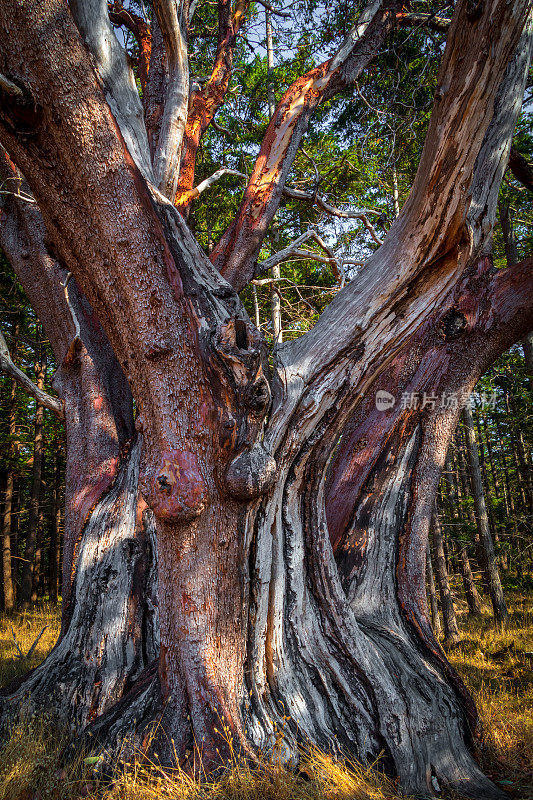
x=291 y=531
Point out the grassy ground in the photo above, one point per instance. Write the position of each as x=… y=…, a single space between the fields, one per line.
x=496 y=665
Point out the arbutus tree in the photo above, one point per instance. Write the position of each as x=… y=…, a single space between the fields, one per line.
x=291 y=513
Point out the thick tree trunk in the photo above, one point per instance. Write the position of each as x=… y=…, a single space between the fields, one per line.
x=291 y=548
x=110 y=619
x=487 y=547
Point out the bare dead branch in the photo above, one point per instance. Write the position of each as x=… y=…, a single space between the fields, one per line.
x=297 y=194
x=20 y=653
x=430 y=21
x=216 y=176
x=294 y=251
x=273 y=10
x=9 y=368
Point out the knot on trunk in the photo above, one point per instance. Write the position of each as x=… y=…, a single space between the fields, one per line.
x=20 y=112
x=452 y=324
x=250 y=473
x=232 y=356
x=175 y=490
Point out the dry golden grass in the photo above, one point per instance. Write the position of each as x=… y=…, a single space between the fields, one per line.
x=495 y=664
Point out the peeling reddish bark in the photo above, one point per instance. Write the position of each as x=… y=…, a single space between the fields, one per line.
x=236 y=252
x=205 y=102
x=483 y=315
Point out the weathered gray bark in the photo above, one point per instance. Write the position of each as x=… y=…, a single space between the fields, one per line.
x=109 y=625
x=482 y=520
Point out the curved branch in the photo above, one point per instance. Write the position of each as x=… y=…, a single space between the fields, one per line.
x=212 y=179
x=237 y=251
x=206 y=102
x=450 y=212
x=521 y=168
x=322 y=203
x=9 y=368
x=408 y=20
x=141 y=31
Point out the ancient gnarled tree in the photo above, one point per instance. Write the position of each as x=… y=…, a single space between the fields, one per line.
x=291 y=514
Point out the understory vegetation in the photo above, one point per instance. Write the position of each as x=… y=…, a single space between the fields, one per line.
x=495 y=663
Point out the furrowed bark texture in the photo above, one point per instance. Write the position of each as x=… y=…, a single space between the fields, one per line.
x=265 y=624
x=112 y=631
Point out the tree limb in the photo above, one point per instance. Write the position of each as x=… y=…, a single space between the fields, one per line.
x=322 y=203
x=236 y=253
x=273 y=10
x=205 y=103
x=294 y=250
x=408 y=20
x=450 y=211
x=9 y=368
x=167 y=155
x=94 y=25
x=140 y=29
x=521 y=168
x=212 y=179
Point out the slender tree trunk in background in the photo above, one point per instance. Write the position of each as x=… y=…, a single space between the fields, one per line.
x=527 y=346
x=471 y=593
x=15 y=527
x=484 y=476
x=37 y=584
x=521 y=456
x=55 y=527
x=433 y=605
x=489 y=559
x=7 y=573
x=511 y=252
x=33 y=522
x=449 y=619
x=472 y=596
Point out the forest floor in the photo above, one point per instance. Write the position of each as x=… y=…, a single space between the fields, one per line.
x=496 y=665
